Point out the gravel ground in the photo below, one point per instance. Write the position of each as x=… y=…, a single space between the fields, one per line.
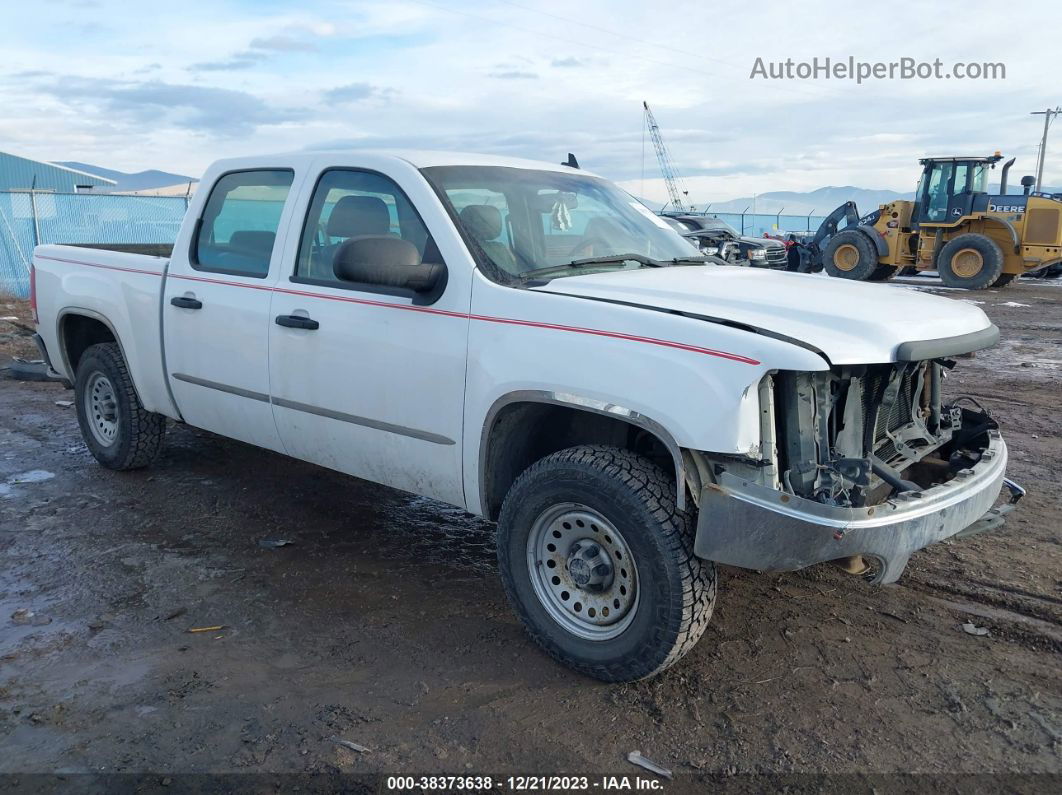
x=383 y=623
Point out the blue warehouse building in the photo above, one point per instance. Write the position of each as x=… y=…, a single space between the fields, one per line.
x=21 y=173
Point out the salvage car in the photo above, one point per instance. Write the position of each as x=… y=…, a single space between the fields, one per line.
x=709 y=242
x=525 y=341
x=758 y=252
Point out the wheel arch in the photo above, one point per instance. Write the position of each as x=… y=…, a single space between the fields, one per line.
x=77 y=329
x=526 y=425
x=877 y=240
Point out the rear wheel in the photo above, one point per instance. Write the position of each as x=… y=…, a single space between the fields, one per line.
x=598 y=563
x=118 y=431
x=850 y=254
x=971 y=261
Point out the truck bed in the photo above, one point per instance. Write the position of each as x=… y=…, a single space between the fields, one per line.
x=117 y=284
x=164 y=250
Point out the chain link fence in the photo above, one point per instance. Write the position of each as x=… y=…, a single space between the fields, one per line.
x=760 y=224
x=31 y=218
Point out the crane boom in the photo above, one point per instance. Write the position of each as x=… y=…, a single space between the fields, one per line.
x=667 y=168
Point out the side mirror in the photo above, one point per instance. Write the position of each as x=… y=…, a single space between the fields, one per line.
x=387 y=262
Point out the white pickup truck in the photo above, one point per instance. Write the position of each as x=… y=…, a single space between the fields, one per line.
x=526 y=341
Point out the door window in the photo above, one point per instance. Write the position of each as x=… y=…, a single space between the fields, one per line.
x=240 y=221
x=937 y=190
x=351 y=204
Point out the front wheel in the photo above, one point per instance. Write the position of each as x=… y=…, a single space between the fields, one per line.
x=118 y=431
x=850 y=254
x=598 y=563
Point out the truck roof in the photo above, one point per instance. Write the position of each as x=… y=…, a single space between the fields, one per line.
x=419 y=158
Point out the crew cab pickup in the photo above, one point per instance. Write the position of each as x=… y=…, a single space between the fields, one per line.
x=530 y=343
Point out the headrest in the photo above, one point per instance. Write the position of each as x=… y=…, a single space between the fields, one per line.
x=256 y=240
x=354 y=216
x=483 y=221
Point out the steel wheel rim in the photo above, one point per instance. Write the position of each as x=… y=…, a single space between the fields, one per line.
x=846 y=257
x=967 y=263
x=568 y=549
x=101 y=409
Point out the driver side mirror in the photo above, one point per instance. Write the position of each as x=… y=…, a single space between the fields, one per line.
x=386 y=262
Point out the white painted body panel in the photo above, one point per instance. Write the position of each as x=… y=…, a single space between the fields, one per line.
x=390 y=385
x=376 y=358
x=119 y=289
x=851 y=322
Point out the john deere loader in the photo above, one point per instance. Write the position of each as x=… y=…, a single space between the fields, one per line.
x=972 y=239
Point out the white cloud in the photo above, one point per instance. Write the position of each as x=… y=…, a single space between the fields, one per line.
x=212 y=78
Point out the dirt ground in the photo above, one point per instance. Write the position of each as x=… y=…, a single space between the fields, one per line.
x=383 y=622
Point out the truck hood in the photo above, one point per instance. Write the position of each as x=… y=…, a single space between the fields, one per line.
x=849 y=322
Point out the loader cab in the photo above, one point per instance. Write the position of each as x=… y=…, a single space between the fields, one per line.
x=950 y=187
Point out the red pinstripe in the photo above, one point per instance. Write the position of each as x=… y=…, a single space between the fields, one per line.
x=735 y=357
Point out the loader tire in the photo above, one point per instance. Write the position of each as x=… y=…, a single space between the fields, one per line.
x=971 y=261
x=850 y=254
x=883 y=273
x=598 y=563
x=118 y=431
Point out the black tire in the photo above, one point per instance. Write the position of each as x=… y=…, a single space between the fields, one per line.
x=883 y=273
x=675 y=592
x=1004 y=280
x=971 y=261
x=136 y=433
x=850 y=254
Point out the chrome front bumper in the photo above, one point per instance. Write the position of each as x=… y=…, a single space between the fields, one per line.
x=747 y=525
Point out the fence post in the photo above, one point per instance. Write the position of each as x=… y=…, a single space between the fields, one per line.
x=743 y=220
x=36 y=220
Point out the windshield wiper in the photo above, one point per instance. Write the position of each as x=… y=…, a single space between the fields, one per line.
x=610 y=259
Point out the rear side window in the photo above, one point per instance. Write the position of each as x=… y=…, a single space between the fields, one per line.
x=240 y=220
x=354 y=204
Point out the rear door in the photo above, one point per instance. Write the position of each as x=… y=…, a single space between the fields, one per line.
x=215 y=307
x=370 y=380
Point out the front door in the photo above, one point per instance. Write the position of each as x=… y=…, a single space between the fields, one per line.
x=215 y=308
x=366 y=380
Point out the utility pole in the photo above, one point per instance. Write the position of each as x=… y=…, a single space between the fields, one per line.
x=1048 y=116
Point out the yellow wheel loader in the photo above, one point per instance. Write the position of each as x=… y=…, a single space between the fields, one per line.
x=972 y=239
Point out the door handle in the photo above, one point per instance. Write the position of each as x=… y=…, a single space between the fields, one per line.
x=298 y=321
x=184 y=302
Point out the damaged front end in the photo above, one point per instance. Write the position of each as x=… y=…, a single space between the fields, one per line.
x=856 y=461
x=854 y=436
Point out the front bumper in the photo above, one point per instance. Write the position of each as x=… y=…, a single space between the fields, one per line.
x=747 y=525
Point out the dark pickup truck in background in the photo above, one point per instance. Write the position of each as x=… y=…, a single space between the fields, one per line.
x=731 y=245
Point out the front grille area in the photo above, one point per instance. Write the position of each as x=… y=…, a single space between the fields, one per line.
x=888 y=420
x=777 y=257
x=833 y=428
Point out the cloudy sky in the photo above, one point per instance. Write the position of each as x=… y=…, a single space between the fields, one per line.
x=135 y=85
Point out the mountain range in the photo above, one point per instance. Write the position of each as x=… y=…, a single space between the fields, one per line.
x=126 y=181
x=823 y=200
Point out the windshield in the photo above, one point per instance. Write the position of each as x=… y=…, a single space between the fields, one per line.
x=526 y=222
x=717 y=225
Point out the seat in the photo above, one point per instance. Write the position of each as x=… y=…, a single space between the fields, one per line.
x=251 y=240
x=353 y=216
x=484 y=224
